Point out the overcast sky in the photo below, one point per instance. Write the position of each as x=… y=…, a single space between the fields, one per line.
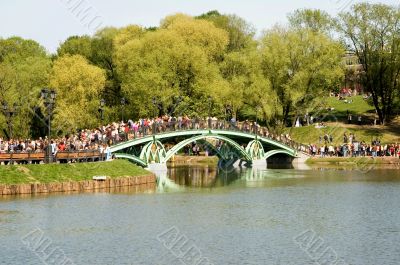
x=52 y=21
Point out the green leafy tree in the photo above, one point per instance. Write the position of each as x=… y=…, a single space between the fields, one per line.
x=311 y=19
x=248 y=88
x=103 y=57
x=76 y=45
x=128 y=33
x=15 y=48
x=300 y=65
x=372 y=31
x=24 y=70
x=241 y=33
x=198 y=33
x=79 y=86
x=176 y=60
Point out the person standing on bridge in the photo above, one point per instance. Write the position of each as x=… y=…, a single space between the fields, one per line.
x=180 y=122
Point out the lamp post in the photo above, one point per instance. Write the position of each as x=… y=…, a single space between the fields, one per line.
x=228 y=112
x=9 y=113
x=154 y=100
x=256 y=124
x=101 y=108
x=49 y=97
x=209 y=112
x=123 y=102
x=176 y=100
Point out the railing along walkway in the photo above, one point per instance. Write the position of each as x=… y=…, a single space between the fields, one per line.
x=176 y=126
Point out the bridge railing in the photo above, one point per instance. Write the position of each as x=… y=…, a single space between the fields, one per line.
x=202 y=124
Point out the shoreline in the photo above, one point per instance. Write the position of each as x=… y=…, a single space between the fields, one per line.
x=74 y=177
x=381 y=162
x=76 y=186
x=194 y=160
x=353 y=161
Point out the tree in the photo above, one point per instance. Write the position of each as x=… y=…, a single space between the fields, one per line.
x=76 y=45
x=372 y=31
x=24 y=70
x=179 y=59
x=128 y=33
x=79 y=86
x=300 y=65
x=103 y=57
x=241 y=34
x=15 y=48
x=163 y=65
x=311 y=19
x=249 y=89
x=198 y=33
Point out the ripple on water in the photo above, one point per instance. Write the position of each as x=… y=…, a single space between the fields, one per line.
x=250 y=221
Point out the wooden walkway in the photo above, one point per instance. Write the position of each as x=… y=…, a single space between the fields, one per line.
x=62 y=157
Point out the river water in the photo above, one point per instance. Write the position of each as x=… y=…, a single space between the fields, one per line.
x=274 y=216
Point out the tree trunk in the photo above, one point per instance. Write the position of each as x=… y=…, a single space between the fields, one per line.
x=286 y=110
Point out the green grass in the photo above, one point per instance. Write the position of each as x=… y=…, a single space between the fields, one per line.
x=22 y=174
x=358 y=106
x=336 y=121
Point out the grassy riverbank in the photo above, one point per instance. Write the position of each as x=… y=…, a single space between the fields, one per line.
x=23 y=174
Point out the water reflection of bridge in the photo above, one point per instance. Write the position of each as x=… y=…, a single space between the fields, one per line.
x=178 y=177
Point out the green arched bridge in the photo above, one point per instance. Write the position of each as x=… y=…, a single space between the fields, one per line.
x=226 y=144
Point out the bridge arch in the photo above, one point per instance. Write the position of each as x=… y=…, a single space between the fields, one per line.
x=278 y=151
x=220 y=152
x=185 y=142
x=132 y=158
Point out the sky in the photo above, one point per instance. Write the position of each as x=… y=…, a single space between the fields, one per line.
x=50 y=22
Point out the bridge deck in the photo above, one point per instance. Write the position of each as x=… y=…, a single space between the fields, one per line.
x=289 y=146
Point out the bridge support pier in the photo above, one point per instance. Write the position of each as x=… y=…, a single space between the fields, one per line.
x=259 y=163
x=241 y=163
x=161 y=172
x=299 y=162
x=159 y=169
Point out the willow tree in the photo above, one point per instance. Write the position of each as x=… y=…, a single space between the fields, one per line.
x=373 y=32
x=246 y=89
x=300 y=64
x=240 y=32
x=311 y=19
x=178 y=60
x=79 y=85
x=250 y=91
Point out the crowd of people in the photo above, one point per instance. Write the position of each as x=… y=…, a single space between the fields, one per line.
x=103 y=137
x=351 y=147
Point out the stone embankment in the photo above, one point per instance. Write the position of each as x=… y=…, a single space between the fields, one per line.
x=76 y=186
